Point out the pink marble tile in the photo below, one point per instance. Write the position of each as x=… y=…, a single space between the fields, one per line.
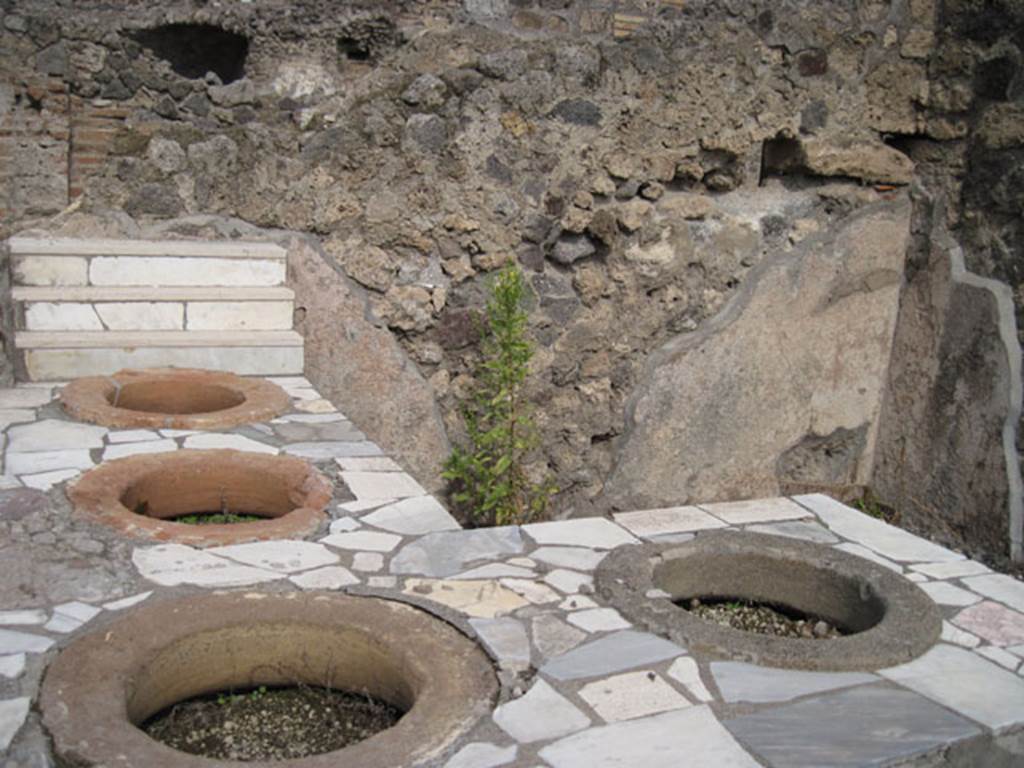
x=992 y=621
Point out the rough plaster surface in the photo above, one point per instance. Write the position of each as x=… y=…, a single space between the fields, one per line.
x=801 y=352
x=359 y=365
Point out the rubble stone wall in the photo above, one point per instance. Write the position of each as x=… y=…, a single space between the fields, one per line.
x=641 y=160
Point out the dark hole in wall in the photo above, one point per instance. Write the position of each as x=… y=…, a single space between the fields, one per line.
x=780 y=156
x=903 y=142
x=192 y=50
x=992 y=79
x=353 y=49
x=368 y=39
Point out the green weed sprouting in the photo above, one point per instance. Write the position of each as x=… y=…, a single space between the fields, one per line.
x=488 y=478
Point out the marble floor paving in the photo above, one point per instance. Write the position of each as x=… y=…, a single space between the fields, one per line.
x=582 y=687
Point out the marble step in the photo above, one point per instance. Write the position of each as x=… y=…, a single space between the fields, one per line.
x=60 y=356
x=46 y=262
x=86 y=308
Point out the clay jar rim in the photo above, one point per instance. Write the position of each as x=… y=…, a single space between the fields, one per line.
x=635 y=579
x=98 y=688
x=98 y=496
x=90 y=399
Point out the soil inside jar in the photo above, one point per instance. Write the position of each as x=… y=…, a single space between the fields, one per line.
x=271 y=723
x=216 y=518
x=761 y=618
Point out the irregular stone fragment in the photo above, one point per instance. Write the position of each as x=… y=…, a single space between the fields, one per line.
x=482 y=599
x=22 y=617
x=174 y=564
x=331 y=577
x=807 y=531
x=630 y=695
x=283 y=556
x=739 y=681
x=482 y=755
x=946 y=594
x=867 y=725
x=12 y=714
x=965 y=683
x=447 y=553
x=756 y=511
x=536 y=593
x=236 y=442
x=593 y=532
x=612 y=653
x=540 y=714
x=887 y=540
x=657 y=522
x=506 y=639
x=414 y=516
x=657 y=741
x=992 y=621
x=598 y=620
x=685 y=671
x=574 y=558
x=54 y=435
x=12 y=666
x=569 y=582
x=23 y=642
x=998 y=586
x=553 y=637
x=373 y=541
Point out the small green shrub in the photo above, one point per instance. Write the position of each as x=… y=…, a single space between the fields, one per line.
x=488 y=480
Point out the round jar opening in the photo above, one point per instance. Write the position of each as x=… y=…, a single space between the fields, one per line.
x=866 y=616
x=794 y=589
x=271 y=704
x=224 y=489
x=170 y=396
x=205 y=498
x=106 y=689
x=173 y=398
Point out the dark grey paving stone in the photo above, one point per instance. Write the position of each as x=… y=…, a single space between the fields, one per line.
x=446 y=553
x=612 y=653
x=739 y=681
x=871 y=725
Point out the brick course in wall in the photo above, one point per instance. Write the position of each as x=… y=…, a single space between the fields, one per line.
x=34 y=131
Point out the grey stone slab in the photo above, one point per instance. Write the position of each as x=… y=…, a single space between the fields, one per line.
x=12 y=666
x=872 y=725
x=998 y=586
x=23 y=642
x=541 y=714
x=447 y=553
x=553 y=637
x=12 y=714
x=310 y=418
x=327 y=450
x=593 y=532
x=739 y=681
x=415 y=516
x=797 y=529
x=295 y=432
x=887 y=540
x=506 y=639
x=966 y=683
x=669 y=740
x=55 y=435
x=576 y=558
x=613 y=653
x=482 y=755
